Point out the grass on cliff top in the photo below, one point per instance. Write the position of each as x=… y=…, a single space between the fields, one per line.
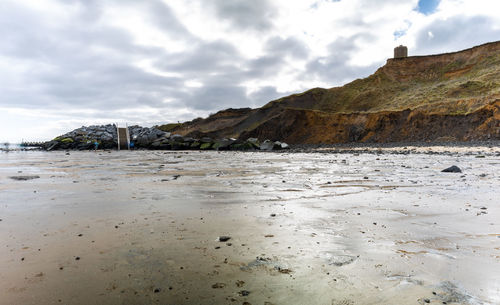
x=457 y=87
x=168 y=127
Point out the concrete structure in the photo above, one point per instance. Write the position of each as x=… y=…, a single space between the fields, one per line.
x=400 y=52
x=123 y=138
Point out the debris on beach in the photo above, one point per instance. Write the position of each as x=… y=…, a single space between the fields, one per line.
x=24 y=178
x=452 y=169
x=224 y=238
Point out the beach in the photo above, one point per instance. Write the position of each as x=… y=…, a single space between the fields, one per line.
x=331 y=226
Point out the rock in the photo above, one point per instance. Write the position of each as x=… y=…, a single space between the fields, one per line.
x=218 y=285
x=285 y=146
x=277 y=145
x=24 y=178
x=224 y=238
x=266 y=145
x=452 y=169
x=253 y=141
x=206 y=146
x=206 y=140
x=177 y=138
x=223 y=144
x=242 y=146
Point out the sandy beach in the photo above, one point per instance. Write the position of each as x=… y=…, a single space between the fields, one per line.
x=144 y=227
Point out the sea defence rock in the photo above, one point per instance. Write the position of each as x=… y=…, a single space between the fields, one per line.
x=84 y=138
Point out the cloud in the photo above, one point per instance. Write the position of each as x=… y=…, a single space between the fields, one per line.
x=287 y=46
x=336 y=66
x=246 y=15
x=442 y=35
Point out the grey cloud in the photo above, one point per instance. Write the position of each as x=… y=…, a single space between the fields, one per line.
x=83 y=65
x=204 y=57
x=266 y=94
x=246 y=15
x=217 y=97
x=454 y=34
x=288 y=46
x=164 y=18
x=335 y=67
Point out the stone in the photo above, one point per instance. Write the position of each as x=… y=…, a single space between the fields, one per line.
x=206 y=146
x=452 y=169
x=218 y=285
x=24 y=178
x=224 y=238
x=177 y=138
x=223 y=144
x=266 y=145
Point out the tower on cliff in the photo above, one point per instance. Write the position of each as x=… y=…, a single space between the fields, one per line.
x=400 y=52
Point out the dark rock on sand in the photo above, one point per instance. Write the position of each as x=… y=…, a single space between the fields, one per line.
x=224 y=238
x=218 y=285
x=452 y=169
x=24 y=178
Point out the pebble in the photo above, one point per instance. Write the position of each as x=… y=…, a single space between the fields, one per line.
x=452 y=169
x=218 y=285
x=224 y=238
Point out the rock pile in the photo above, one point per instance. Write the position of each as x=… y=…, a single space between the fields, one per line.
x=105 y=136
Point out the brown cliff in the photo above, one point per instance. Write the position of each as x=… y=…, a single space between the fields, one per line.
x=453 y=96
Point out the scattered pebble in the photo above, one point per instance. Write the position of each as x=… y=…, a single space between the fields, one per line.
x=244 y=293
x=218 y=285
x=224 y=238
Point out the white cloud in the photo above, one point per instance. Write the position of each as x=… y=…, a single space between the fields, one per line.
x=67 y=63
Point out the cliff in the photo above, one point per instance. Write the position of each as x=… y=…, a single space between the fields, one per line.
x=452 y=96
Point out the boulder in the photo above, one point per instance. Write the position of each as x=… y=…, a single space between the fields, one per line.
x=206 y=146
x=266 y=145
x=223 y=144
x=177 y=138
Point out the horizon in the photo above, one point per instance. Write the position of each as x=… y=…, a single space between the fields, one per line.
x=78 y=63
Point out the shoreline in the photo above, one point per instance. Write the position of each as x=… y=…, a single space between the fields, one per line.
x=485 y=147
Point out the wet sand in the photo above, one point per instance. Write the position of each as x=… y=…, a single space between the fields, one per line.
x=142 y=227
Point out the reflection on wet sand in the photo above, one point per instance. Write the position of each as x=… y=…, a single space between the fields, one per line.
x=317 y=228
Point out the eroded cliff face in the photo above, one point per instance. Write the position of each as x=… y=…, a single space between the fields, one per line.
x=454 y=96
x=313 y=127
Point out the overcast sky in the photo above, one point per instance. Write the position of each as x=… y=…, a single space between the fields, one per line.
x=68 y=63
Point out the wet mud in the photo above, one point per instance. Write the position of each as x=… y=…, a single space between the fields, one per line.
x=160 y=227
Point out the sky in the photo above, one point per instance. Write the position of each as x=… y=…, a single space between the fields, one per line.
x=69 y=63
